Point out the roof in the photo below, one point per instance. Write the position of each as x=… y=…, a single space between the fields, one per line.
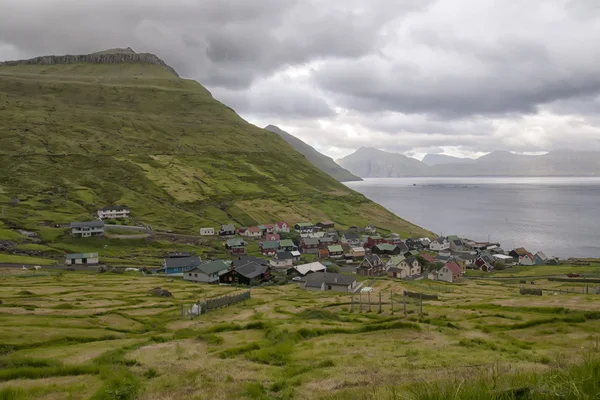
x=255 y=229
x=262 y=227
x=235 y=242
x=175 y=254
x=286 y=243
x=414 y=252
x=502 y=257
x=375 y=237
x=336 y=248
x=520 y=251
x=428 y=257
x=411 y=260
x=311 y=267
x=227 y=227
x=117 y=208
x=305 y=224
x=440 y=240
x=81 y=255
x=351 y=236
x=252 y=270
x=318 y=278
x=212 y=267
x=327 y=222
x=457 y=242
x=467 y=256
x=296 y=253
x=89 y=224
x=193 y=261
x=454 y=267
x=248 y=259
x=486 y=257
x=541 y=255
x=397 y=260
x=326 y=239
x=280 y=224
x=386 y=247
x=358 y=249
x=372 y=259
x=452 y=237
x=310 y=241
x=269 y=244
x=284 y=255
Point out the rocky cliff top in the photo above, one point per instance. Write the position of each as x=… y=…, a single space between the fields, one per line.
x=111 y=56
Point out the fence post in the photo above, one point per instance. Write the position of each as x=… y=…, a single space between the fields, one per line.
x=379 y=302
x=404 y=300
x=392 y=300
x=360 y=301
x=421 y=304
x=369 y=297
x=352 y=308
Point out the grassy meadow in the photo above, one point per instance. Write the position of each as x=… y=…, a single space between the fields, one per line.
x=80 y=335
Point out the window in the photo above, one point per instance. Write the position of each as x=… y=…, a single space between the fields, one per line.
x=196 y=275
x=190 y=274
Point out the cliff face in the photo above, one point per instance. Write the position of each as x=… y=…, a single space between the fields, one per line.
x=115 y=56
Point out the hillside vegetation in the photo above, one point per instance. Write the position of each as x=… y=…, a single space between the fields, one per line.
x=78 y=136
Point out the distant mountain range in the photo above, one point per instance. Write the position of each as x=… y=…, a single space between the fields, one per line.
x=372 y=163
x=321 y=161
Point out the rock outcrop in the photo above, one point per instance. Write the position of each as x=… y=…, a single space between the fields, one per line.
x=112 y=56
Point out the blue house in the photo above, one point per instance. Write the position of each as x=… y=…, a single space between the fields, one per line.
x=176 y=266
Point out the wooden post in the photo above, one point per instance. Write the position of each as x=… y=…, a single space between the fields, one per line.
x=379 y=302
x=587 y=289
x=392 y=301
x=369 y=297
x=352 y=307
x=421 y=304
x=404 y=300
x=360 y=301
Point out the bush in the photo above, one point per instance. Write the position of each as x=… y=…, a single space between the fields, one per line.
x=500 y=265
x=334 y=269
x=119 y=384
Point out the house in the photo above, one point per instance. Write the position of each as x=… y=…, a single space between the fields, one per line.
x=553 y=261
x=323 y=253
x=207 y=231
x=404 y=267
x=467 y=258
x=333 y=236
x=177 y=266
x=271 y=237
x=309 y=245
x=326 y=224
x=113 y=212
x=335 y=251
x=236 y=246
x=413 y=253
x=429 y=258
x=393 y=239
x=282 y=260
x=370 y=230
x=432 y=276
x=451 y=272
x=178 y=254
x=386 y=248
x=267 y=228
x=456 y=244
x=243 y=260
x=287 y=245
x=227 y=231
x=313 y=234
x=425 y=242
x=540 y=258
x=351 y=239
x=413 y=244
x=395 y=261
x=528 y=259
x=281 y=227
x=242 y=230
x=268 y=247
x=373 y=241
x=246 y=274
x=357 y=252
x=208 y=272
x=371 y=266
x=304 y=227
x=253 y=232
x=320 y=281
x=305 y=269
x=440 y=244
x=485 y=261
x=87 y=229
x=296 y=255
x=508 y=260
x=325 y=242
x=82 y=259
x=517 y=253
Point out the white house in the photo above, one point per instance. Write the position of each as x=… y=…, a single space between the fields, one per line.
x=281 y=227
x=207 y=273
x=253 y=232
x=528 y=259
x=87 y=229
x=113 y=212
x=404 y=268
x=351 y=239
x=82 y=259
x=282 y=260
x=440 y=244
x=320 y=281
x=305 y=269
x=207 y=231
x=451 y=272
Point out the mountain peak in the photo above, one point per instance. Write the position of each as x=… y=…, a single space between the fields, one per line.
x=110 y=56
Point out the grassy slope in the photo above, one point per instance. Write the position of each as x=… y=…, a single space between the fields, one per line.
x=287 y=342
x=77 y=137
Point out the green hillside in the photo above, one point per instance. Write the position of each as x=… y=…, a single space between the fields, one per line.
x=79 y=136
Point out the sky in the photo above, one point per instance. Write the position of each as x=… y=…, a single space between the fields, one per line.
x=458 y=77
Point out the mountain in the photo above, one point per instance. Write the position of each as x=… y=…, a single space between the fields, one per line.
x=117 y=127
x=376 y=163
x=442 y=159
x=321 y=161
x=368 y=162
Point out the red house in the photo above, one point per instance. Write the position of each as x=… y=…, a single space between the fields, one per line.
x=309 y=245
x=282 y=227
x=373 y=241
x=272 y=237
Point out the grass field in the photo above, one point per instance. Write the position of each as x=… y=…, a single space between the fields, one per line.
x=78 y=335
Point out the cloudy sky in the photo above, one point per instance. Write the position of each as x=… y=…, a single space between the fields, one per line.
x=462 y=77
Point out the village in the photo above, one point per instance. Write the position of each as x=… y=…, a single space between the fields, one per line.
x=317 y=256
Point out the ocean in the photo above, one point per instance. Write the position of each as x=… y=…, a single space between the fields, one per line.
x=559 y=216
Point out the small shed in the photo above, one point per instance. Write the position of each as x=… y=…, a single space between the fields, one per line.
x=82 y=259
